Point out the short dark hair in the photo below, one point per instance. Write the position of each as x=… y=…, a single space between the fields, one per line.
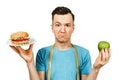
x=62 y=10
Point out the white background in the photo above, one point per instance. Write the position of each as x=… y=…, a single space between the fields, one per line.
x=96 y=20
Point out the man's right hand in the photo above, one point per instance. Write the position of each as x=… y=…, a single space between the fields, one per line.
x=27 y=54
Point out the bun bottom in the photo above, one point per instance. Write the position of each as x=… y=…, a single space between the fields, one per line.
x=20 y=42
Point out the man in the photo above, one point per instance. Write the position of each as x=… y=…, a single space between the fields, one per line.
x=62 y=60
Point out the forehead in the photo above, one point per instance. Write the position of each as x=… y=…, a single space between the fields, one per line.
x=66 y=18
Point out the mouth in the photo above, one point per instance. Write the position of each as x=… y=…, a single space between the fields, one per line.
x=61 y=36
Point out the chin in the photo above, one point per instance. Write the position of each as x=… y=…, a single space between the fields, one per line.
x=62 y=41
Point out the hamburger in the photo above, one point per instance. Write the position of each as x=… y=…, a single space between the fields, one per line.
x=19 y=38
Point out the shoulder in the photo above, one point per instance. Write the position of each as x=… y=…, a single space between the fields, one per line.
x=81 y=48
x=84 y=57
x=44 y=50
x=82 y=51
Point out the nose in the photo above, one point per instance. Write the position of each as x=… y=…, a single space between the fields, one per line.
x=63 y=29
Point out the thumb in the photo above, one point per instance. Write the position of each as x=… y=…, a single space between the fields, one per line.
x=31 y=47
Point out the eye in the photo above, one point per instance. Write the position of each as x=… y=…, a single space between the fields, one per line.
x=68 y=25
x=57 y=25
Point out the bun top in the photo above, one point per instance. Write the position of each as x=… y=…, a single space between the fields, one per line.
x=19 y=34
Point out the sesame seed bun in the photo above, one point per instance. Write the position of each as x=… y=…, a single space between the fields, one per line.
x=19 y=34
x=19 y=38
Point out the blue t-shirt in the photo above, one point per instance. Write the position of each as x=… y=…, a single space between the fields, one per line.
x=63 y=66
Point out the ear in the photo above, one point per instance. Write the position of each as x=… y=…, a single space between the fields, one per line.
x=52 y=28
x=73 y=27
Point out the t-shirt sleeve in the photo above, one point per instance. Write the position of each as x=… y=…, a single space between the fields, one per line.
x=40 y=61
x=86 y=65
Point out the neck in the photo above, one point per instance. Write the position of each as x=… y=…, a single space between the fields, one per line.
x=63 y=46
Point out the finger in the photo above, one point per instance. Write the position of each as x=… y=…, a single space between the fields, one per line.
x=15 y=49
x=31 y=47
x=97 y=63
x=100 y=56
x=109 y=54
x=103 y=57
x=20 y=49
x=106 y=55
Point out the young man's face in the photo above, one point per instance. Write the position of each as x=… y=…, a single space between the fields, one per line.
x=63 y=27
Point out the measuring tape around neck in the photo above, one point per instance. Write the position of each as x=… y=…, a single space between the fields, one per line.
x=77 y=62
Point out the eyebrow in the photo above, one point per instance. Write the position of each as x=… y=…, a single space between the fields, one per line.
x=60 y=23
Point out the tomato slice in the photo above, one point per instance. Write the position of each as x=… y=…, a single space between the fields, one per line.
x=18 y=40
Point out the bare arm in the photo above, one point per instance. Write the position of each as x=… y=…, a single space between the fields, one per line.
x=33 y=74
x=92 y=76
x=42 y=75
x=101 y=60
x=28 y=56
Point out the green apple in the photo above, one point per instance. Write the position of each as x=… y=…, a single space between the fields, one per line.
x=103 y=45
